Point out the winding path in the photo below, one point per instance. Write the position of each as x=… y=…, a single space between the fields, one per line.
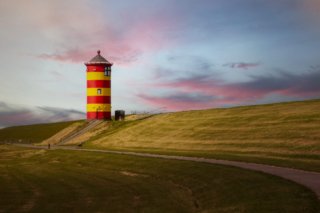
x=306 y=178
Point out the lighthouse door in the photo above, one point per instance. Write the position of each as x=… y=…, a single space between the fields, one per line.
x=97 y=113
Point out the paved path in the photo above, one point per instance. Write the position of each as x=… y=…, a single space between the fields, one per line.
x=308 y=179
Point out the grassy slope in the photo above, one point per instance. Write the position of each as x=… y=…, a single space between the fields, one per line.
x=286 y=134
x=32 y=133
x=70 y=181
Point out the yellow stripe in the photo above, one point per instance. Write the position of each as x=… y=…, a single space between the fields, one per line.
x=98 y=107
x=97 y=76
x=94 y=92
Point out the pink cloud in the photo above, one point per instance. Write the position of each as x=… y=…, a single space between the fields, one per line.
x=175 y=103
x=72 y=55
x=124 y=56
x=184 y=91
x=234 y=92
x=312 y=6
x=120 y=44
x=228 y=94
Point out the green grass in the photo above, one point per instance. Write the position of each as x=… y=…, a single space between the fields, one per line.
x=31 y=133
x=73 y=181
x=285 y=134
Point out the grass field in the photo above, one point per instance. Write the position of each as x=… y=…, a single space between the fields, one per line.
x=73 y=181
x=285 y=134
x=31 y=133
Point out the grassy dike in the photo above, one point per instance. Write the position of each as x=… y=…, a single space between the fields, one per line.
x=284 y=134
x=72 y=181
x=32 y=133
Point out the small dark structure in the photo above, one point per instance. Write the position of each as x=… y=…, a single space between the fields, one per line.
x=120 y=115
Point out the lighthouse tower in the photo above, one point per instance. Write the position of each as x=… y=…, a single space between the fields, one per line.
x=98 y=88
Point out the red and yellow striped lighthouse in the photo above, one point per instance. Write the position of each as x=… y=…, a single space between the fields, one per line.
x=98 y=88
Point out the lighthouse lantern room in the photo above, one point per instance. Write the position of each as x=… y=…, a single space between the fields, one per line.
x=98 y=88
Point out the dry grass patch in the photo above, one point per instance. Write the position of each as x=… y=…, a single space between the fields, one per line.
x=62 y=134
x=285 y=129
x=97 y=130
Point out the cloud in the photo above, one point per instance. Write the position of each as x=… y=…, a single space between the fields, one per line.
x=185 y=65
x=185 y=91
x=179 y=101
x=242 y=65
x=122 y=41
x=296 y=85
x=12 y=115
x=192 y=61
x=312 y=7
x=119 y=55
x=72 y=55
x=72 y=33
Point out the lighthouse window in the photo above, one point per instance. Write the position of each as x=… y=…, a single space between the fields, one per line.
x=107 y=72
x=99 y=91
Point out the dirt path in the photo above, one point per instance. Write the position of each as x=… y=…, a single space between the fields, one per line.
x=308 y=179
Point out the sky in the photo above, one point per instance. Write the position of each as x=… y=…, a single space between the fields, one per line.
x=168 y=55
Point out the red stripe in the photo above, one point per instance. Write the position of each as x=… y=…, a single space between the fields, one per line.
x=98 y=84
x=98 y=99
x=99 y=115
x=95 y=68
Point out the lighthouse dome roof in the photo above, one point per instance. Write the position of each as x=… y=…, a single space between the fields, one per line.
x=98 y=59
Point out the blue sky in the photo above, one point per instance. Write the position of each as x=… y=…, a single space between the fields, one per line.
x=168 y=55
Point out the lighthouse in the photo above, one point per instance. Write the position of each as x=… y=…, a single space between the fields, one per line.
x=98 y=88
